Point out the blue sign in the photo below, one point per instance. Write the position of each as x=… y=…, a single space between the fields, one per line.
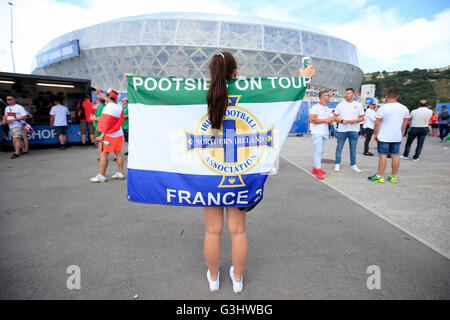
x=44 y=134
x=62 y=52
x=300 y=124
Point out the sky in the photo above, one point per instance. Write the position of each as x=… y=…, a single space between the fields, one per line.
x=390 y=35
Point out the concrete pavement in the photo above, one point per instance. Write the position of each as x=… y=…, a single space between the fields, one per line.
x=307 y=241
x=417 y=204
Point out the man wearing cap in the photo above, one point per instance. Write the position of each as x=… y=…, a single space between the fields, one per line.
x=111 y=135
x=369 y=123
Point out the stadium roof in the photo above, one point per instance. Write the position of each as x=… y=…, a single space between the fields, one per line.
x=219 y=17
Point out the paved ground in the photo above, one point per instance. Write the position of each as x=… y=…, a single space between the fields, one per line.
x=418 y=203
x=307 y=241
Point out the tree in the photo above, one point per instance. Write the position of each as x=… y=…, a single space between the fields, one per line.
x=443 y=99
x=412 y=85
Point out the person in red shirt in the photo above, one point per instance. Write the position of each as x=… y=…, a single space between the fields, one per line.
x=434 y=124
x=86 y=123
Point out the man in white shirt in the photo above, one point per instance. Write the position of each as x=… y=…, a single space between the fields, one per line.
x=348 y=114
x=420 y=118
x=392 y=119
x=58 y=121
x=14 y=113
x=369 y=123
x=319 y=117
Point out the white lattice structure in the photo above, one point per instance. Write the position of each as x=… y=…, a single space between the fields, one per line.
x=181 y=44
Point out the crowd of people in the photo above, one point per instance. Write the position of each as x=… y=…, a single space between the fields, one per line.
x=15 y=118
x=383 y=125
x=347 y=121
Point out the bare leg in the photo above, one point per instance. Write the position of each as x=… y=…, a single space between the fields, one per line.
x=239 y=241
x=119 y=160
x=103 y=162
x=395 y=164
x=91 y=136
x=213 y=234
x=83 y=139
x=382 y=160
x=25 y=143
x=62 y=139
x=17 y=142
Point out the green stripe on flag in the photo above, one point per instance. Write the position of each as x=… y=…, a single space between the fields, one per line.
x=188 y=91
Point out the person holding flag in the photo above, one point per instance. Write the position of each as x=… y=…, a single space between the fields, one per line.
x=14 y=114
x=111 y=135
x=219 y=160
x=222 y=68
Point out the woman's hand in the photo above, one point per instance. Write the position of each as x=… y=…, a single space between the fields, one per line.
x=128 y=75
x=99 y=139
x=309 y=72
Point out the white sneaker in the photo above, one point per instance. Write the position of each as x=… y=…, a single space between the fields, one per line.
x=237 y=286
x=337 y=167
x=416 y=159
x=98 y=178
x=403 y=157
x=118 y=175
x=355 y=168
x=213 y=285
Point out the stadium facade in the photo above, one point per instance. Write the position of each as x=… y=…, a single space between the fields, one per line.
x=181 y=45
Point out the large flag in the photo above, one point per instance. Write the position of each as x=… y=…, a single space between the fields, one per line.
x=175 y=158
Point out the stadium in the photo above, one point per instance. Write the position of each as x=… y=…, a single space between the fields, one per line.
x=181 y=44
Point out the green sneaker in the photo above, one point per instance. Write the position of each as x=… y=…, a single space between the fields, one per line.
x=392 y=179
x=376 y=178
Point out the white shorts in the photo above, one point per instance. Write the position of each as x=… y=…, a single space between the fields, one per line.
x=16 y=132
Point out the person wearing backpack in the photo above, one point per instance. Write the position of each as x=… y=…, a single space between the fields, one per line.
x=443 y=121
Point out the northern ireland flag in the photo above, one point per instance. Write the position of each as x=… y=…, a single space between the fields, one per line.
x=176 y=158
x=111 y=119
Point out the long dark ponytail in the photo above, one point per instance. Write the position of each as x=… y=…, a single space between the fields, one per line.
x=221 y=68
